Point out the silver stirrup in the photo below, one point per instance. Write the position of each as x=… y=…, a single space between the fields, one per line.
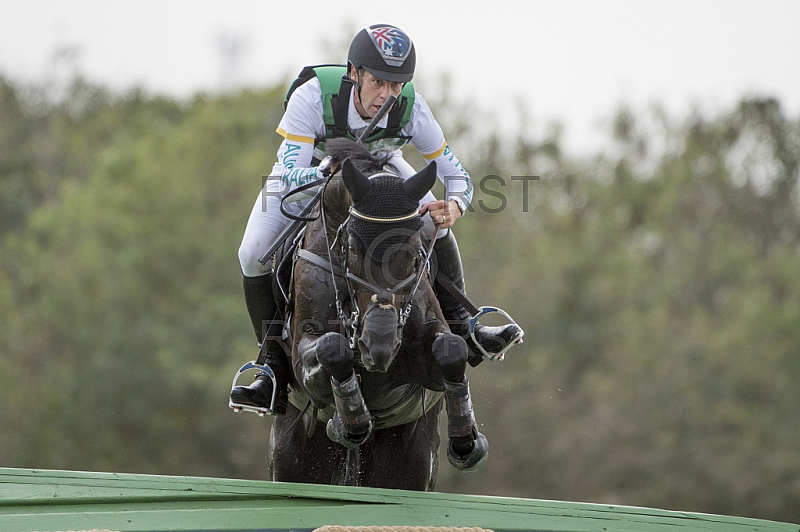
x=260 y=410
x=473 y=321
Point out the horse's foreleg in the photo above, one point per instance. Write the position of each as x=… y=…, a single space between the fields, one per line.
x=352 y=423
x=332 y=351
x=467 y=449
x=319 y=358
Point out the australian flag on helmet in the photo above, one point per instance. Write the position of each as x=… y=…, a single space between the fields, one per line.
x=392 y=43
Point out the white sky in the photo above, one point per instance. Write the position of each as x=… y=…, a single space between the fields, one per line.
x=571 y=61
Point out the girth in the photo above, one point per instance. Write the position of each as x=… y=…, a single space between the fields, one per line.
x=414 y=402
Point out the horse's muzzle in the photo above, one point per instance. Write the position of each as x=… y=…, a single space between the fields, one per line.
x=379 y=342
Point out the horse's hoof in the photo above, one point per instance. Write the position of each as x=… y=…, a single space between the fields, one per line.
x=472 y=461
x=338 y=433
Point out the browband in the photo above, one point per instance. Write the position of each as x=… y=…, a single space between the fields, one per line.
x=383 y=219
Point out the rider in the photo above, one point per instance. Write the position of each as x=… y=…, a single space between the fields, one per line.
x=381 y=62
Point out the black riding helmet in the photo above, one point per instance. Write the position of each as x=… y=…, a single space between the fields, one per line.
x=384 y=51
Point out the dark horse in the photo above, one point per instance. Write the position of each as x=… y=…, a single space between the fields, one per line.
x=372 y=355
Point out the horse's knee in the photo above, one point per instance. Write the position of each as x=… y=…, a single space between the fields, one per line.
x=450 y=351
x=334 y=354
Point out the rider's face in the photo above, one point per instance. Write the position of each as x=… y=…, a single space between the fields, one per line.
x=374 y=92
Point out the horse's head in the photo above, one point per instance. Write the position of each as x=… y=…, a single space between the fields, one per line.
x=383 y=255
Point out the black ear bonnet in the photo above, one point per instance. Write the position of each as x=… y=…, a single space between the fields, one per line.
x=386 y=198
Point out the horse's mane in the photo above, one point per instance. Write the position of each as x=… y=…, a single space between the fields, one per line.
x=368 y=163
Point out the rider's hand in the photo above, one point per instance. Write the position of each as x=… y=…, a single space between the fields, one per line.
x=329 y=166
x=444 y=213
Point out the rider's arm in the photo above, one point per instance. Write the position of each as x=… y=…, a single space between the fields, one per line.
x=301 y=124
x=429 y=139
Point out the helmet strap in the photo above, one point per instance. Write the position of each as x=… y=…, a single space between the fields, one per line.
x=357 y=81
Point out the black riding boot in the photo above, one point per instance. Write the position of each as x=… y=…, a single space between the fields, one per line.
x=263 y=312
x=492 y=339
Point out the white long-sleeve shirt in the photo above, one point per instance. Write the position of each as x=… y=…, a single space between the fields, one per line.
x=303 y=123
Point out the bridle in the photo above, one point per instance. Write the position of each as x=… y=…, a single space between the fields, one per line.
x=352 y=320
x=411 y=283
x=412 y=280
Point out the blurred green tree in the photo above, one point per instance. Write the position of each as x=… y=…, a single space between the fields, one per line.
x=659 y=284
